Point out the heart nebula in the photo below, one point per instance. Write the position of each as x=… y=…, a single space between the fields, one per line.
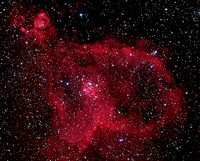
x=109 y=99
x=110 y=96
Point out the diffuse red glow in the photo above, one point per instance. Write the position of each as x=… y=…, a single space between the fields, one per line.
x=116 y=89
x=123 y=94
x=38 y=26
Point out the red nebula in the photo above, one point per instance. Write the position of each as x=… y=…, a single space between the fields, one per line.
x=126 y=93
x=38 y=26
x=107 y=95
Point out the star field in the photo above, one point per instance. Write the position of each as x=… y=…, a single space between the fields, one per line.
x=110 y=80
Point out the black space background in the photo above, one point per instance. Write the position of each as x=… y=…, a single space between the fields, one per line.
x=176 y=29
